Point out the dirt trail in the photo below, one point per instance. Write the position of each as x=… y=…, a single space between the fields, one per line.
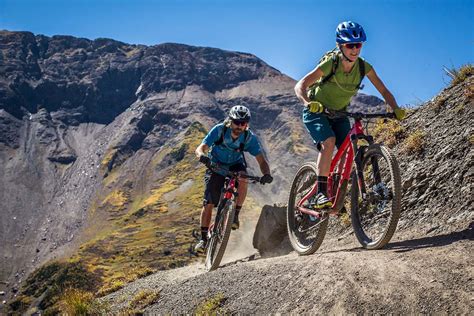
x=422 y=275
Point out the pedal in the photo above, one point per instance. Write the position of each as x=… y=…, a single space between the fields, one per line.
x=191 y=251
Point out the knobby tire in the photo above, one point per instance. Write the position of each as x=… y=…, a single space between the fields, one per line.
x=382 y=153
x=216 y=248
x=304 y=243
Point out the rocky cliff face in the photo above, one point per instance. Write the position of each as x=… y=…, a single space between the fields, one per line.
x=90 y=131
x=97 y=141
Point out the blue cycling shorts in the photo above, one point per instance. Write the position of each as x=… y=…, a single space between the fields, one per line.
x=320 y=127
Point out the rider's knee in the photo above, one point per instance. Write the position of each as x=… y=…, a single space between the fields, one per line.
x=329 y=144
x=207 y=205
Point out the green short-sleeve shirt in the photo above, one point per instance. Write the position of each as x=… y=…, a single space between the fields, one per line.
x=337 y=92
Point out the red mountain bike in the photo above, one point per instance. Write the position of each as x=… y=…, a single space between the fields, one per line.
x=219 y=230
x=375 y=192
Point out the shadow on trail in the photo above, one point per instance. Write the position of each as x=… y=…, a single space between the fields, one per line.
x=420 y=243
x=433 y=241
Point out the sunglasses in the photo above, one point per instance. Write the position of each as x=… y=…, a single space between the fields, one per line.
x=239 y=122
x=353 y=45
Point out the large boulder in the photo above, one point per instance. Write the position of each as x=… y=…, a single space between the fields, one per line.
x=271 y=235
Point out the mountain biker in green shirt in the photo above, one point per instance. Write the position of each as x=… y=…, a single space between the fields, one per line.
x=335 y=94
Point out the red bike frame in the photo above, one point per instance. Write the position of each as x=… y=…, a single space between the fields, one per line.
x=230 y=190
x=341 y=165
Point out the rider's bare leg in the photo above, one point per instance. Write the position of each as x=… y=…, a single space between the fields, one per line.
x=242 y=193
x=324 y=165
x=206 y=215
x=242 y=190
x=325 y=156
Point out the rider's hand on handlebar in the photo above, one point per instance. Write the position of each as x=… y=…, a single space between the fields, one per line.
x=315 y=107
x=205 y=160
x=266 y=179
x=400 y=113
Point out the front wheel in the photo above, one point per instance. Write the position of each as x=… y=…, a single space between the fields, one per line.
x=375 y=216
x=306 y=234
x=220 y=235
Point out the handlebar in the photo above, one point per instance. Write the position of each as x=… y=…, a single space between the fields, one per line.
x=359 y=116
x=233 y=174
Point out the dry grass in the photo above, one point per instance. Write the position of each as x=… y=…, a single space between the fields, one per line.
x=110 y=287
x=471 y=139
x=459 y=75
x=144 y=298
x=469 y=91
x=414 y=143
x=388 y=132
x=50 y=281
x=109 y=155
x=212 y=306
x=439 y=102
x=20 y=304
x=117 y=200
x=79 y=302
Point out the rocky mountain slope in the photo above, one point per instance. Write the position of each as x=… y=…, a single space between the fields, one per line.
x=427 y=268
x=97 y=141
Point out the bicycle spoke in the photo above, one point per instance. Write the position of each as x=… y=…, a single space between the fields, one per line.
x=373 y=218
x=306 y=234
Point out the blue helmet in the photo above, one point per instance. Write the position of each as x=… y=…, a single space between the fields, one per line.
x=350 y=32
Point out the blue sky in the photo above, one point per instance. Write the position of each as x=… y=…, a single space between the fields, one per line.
x=409 y=41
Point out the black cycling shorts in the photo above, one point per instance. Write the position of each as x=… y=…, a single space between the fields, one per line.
x=215 y=182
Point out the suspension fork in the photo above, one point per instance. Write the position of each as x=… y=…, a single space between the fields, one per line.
x=359 y=158
x=220 y=207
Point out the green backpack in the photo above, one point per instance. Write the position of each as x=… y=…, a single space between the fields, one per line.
x=334 y=56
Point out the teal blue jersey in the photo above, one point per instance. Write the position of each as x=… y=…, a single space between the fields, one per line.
x=228 y=152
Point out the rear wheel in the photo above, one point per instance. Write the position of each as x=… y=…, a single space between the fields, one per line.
x=306 y=235
x=220 y=236
x=375 y=216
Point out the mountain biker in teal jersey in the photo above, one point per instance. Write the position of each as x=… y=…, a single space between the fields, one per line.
x=334 y=88
x=225 y=145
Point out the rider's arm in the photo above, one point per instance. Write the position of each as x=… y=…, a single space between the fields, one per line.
x=262 y=162
x=209 y=140
x=378 y=84
x=302 y=85
x=201 y=150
